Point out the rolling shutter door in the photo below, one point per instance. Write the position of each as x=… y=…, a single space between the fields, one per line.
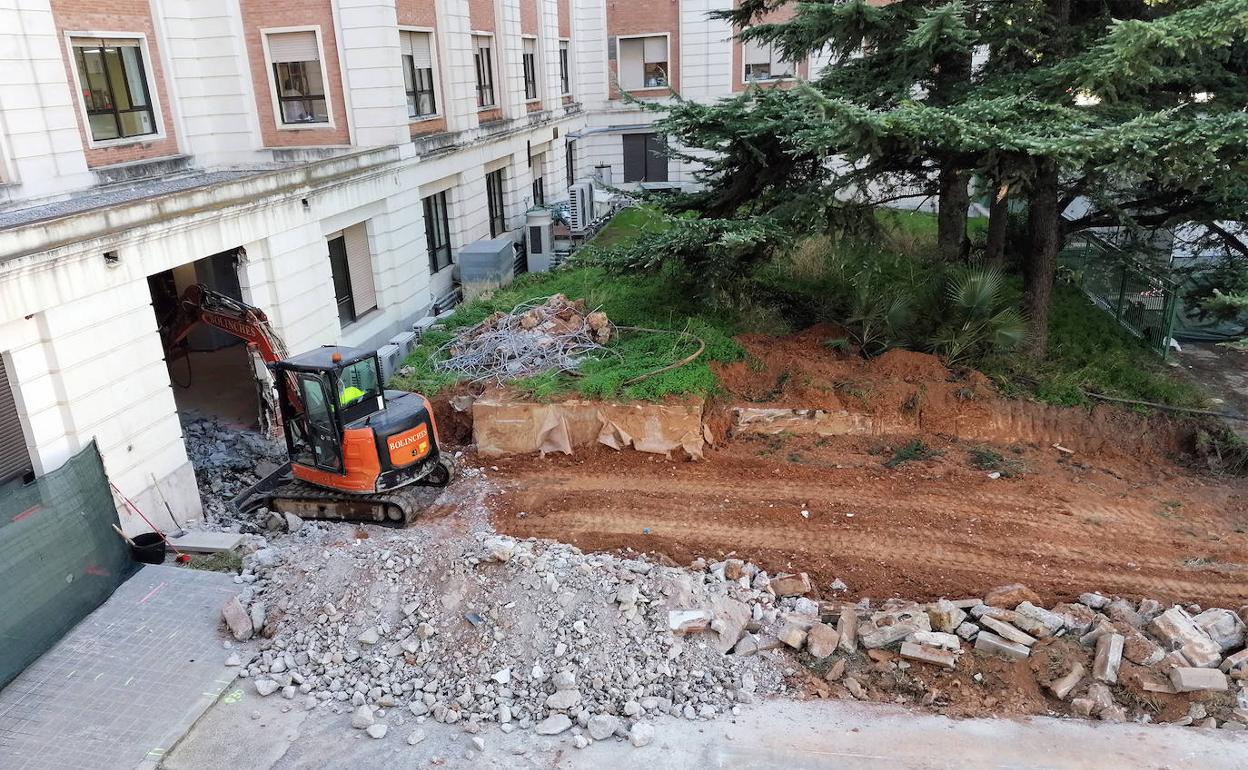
x=293 y=46
x=14 y=457
x=656 y=158
x=360 y=268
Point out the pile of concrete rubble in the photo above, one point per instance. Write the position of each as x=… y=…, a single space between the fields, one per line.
x=404 y=626
x=1172 y=650
x=227 y=461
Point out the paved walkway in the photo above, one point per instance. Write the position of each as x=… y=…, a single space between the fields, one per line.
x=126 y=683
x=245 y=730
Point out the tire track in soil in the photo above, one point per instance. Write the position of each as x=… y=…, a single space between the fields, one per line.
x=924 y=530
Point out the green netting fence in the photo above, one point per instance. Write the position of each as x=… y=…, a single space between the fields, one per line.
x=1143 y=299
x=59 y=557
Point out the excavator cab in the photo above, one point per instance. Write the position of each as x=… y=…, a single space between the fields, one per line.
x=345 y=432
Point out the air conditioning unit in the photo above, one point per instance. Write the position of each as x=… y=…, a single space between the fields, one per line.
x=539 y=239
x=580 y=207
x=406 y=342
x=420 y=327
x=391 y=357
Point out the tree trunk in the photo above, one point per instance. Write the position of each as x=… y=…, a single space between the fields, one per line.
x=1040 y=266
x=951 y=214
x=998 y=225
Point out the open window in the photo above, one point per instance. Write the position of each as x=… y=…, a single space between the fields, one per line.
x=116 y=94
x=298 y=78
x=644 y=62
x=764 y=61
x=565 y=72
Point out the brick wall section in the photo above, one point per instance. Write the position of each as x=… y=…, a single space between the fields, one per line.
x=528 y=17
x=565 y=19
x=645 y=17
x=260 y=14
x=117 y=16
x=416 y=13
x=481 y=15
x=423 y=13
x=777 y=16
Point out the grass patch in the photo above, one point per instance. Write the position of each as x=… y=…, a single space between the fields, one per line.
x=630 y=223
x=914 y=451
x=1089 y=351
x=221 y=561
x=648 y=301
x=987 y=459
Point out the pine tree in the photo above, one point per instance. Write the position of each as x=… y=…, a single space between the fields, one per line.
x=1137 y=108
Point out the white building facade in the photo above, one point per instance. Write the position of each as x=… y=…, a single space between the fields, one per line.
x=323 y=160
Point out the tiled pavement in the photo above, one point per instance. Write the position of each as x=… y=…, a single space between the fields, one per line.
x=126 y=683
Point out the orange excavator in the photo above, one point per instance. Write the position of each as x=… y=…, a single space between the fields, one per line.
x=355 y=448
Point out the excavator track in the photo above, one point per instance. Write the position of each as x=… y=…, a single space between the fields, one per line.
x=398 y=508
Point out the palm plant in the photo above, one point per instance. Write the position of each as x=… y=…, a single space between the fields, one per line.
x=980 y=320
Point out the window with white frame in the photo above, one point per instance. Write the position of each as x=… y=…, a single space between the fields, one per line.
x=764 y=61
x=529 y=62
x=565 y=73
x=115 y=93
x=298 y=78
x=643 y=62
x=483 y=57
x=417 y=50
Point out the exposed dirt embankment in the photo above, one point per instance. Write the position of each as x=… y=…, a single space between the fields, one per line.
x=904 y=392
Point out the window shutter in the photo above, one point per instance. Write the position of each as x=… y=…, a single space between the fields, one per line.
x=292 y=47
x=530 y=46
x=780 y=67
x=631 y=66
x=360 y=268
x=14 y=456
x=656 y=50
x=634 y=157
x=421 y=50
x=755 y=53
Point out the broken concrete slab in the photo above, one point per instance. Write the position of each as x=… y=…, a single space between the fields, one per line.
x=199 y=541
x=688 y=621
x=821 y=640
x=1236 y=662
x=926 y=654
x=1076 y=618
x=1063 y=686
x=893 y=623
x=237 y=619
x=791 y=585
x=1139 y=649
x=847 y=627
x=991 y=644
x=1003 y=629
x=1108 y=658
x=945 y=616
x=731 y=617
x=936 y=639
x=1180 y=632
x=1037 y=621
x=793 y=635
x=1222 y=626
x=1193 y=679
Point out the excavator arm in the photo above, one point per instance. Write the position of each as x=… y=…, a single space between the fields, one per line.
x=202 y=305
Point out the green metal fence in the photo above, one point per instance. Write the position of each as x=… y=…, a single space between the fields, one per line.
x=59 y=557
x=1142 y=298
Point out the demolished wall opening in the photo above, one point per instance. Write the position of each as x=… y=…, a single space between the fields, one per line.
x=212 y=374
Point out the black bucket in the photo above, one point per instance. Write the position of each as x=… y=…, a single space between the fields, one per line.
x=148 y=548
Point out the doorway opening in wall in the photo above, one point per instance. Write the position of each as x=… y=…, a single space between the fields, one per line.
x=211 y=370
